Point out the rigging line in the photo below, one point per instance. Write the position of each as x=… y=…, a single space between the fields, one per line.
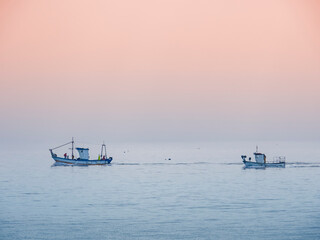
x=61 y=146
x=92 y=144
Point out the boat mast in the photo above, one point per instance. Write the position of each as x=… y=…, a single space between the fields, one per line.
x=101 y=149
x=72 y=148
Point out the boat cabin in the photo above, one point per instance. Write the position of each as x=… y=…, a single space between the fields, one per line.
x=83 y=153
x=260 y=157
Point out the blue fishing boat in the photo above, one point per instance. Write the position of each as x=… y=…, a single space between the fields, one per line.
x=83 y=158
x=261 y=161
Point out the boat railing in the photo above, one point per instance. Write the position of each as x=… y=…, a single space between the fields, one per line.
x=278 y=159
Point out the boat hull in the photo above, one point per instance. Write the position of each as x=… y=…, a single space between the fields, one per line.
x=250 y=164
x=276 y=165
x=82 y=161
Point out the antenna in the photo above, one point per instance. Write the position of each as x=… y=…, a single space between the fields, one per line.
x=256 y=148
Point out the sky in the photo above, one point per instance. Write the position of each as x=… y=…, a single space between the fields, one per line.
x=169 y=70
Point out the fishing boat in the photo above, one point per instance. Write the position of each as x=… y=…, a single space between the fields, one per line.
x=83 y=158
x=261 y=161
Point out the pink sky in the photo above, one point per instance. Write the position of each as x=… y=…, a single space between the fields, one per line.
x=160 y=69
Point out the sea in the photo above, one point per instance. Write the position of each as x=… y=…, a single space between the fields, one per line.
x=157 y=190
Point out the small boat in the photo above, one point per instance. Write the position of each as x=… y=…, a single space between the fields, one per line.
x=83 y=158
x=261 y=161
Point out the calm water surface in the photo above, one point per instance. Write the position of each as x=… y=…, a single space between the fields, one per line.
x=202 y=193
